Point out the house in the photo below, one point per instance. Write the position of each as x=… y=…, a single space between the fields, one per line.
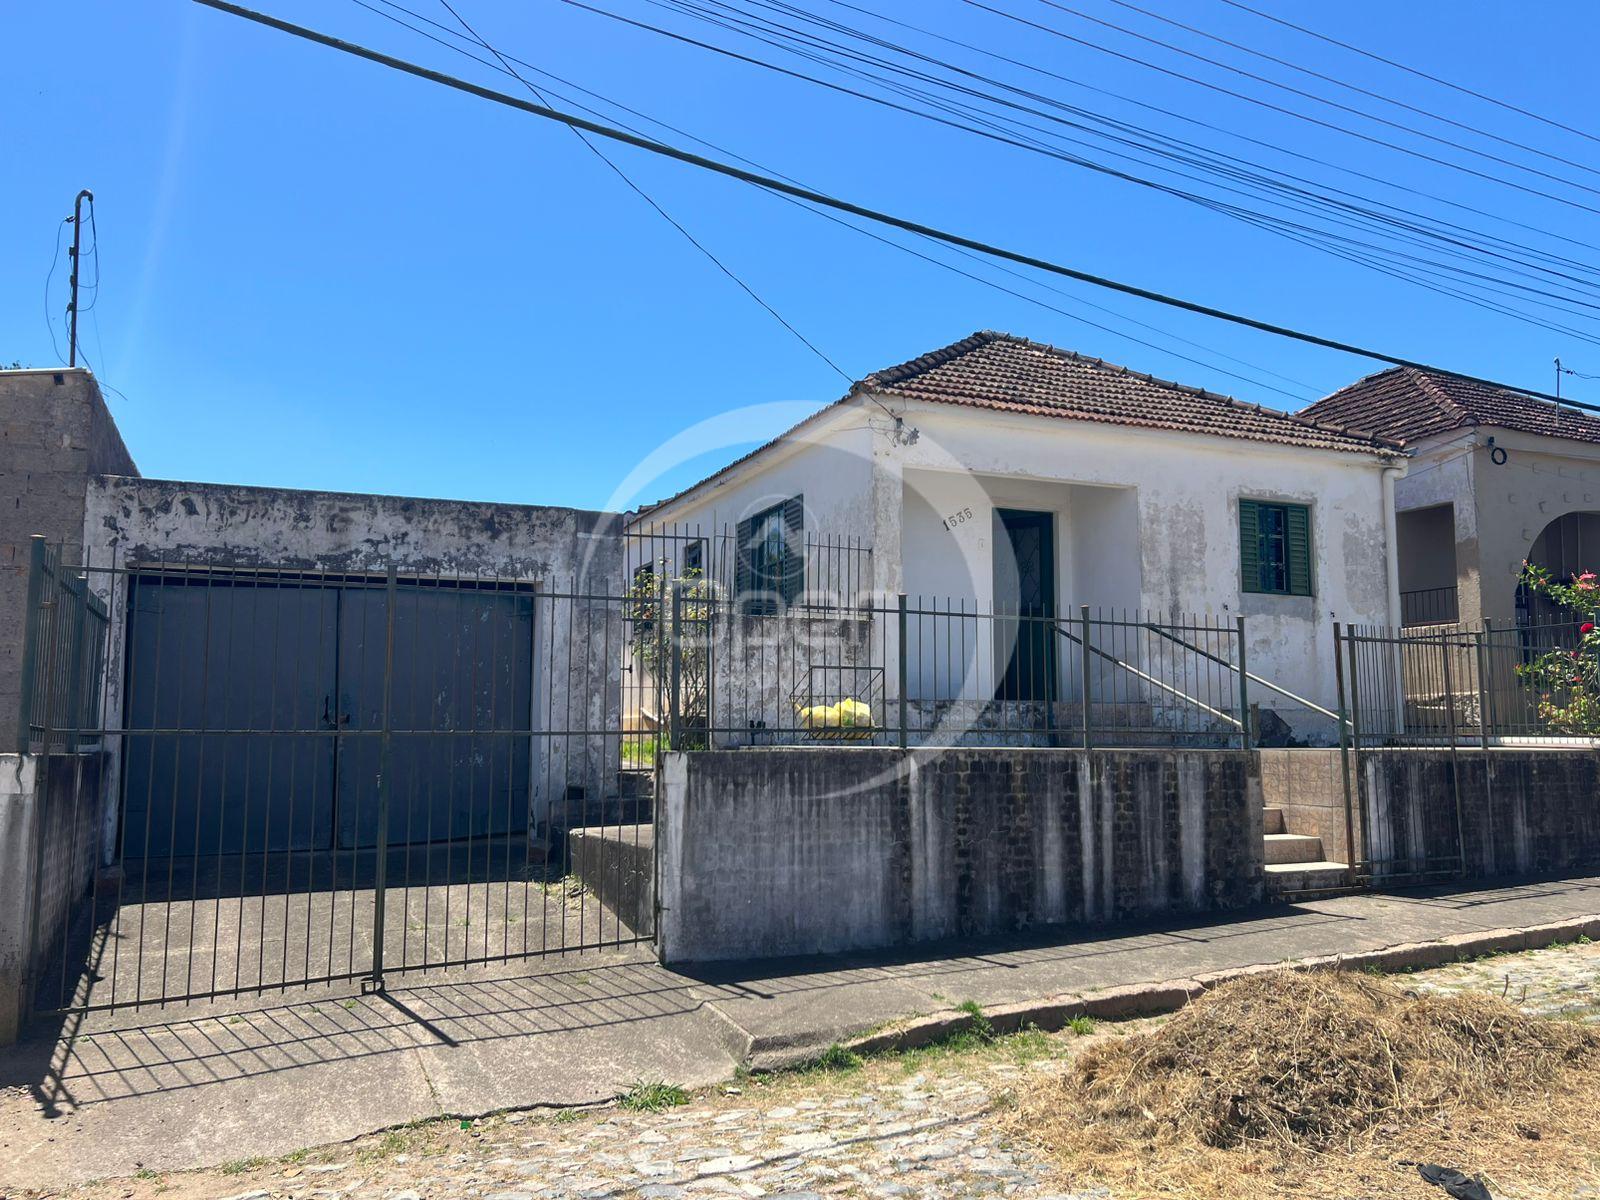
x=1496 y=478
x=1000 y=476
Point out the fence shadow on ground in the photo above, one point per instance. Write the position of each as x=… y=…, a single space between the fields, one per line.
x=70 y=1063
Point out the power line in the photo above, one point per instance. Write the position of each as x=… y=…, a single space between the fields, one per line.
x=1249 y=174
x=1296 y=196
x=1302 y=234
x=50 y=275
x=665 y=150
x=1400 y=66
x=1278 y=108
x=650 y=200
x=1353 y=87
x=1346 y=108
x=1309 y=390
x=1275 y=147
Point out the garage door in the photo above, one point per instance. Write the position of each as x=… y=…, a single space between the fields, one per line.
x=255 y=705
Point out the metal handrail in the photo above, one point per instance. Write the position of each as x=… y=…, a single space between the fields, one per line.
x=1250 y=675
x=1148 y=678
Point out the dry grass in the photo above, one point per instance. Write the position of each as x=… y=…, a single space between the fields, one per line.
x=1326 y=1085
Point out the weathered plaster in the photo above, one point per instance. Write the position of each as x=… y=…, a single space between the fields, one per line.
x=560 y=551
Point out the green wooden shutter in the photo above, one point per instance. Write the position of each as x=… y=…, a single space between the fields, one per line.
x=1249 y=546
x=792 y=575
x=1297 y=536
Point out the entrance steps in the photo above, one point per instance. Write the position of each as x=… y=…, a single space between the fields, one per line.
x=1304 y=805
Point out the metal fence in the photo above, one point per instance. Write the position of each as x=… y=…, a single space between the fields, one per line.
x=909 y=671
x=1442 y=684
x=61 y=681
x=306 y=776
x=1429 y=606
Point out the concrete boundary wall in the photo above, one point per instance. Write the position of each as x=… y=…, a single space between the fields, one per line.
x=789 y=850
x=48 y=826
x=1522 y=811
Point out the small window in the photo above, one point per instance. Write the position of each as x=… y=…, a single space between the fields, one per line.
x=1274 y=548
x=772 y=566
x=694 y=557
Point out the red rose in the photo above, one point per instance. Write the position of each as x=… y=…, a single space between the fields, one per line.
x=1586 y=628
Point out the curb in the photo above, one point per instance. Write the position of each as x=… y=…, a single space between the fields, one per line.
x=1052 y=1013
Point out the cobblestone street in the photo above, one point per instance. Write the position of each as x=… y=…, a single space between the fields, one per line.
x=915 y=1124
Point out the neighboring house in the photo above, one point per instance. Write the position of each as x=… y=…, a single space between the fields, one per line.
x=1497 y=478
x=1006 y=476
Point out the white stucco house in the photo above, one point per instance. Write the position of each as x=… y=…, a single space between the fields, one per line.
x=1496 y=478
x=1002 y=475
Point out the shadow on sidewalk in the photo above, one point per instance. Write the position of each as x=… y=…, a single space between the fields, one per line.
x=1097 y=946
x=76 y=1061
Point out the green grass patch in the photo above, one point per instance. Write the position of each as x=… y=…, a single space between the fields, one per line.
x=646 y=1096
x=1080 y=1026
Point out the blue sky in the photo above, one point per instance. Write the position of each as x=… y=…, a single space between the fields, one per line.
x=318 y=273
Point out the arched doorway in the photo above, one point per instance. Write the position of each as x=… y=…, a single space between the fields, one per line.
x=1567 y=546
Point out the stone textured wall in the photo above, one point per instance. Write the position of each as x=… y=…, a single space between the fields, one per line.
x=1522 y=812
x=55 y=432
x=815 y=850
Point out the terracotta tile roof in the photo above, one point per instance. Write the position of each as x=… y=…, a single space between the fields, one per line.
x=1005 y=373
x=1011 y=374
x=1407 y=405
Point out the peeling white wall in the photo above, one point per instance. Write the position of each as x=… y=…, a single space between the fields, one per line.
x=1147 y=518
x=151 y=521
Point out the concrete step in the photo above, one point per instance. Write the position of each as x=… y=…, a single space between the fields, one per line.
x=1306 y=880
x=1292 y=848
x=1274 y=820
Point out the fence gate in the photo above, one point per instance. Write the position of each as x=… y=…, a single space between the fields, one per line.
x=254 y=779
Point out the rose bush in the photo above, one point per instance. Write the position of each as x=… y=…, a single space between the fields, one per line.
x=1567 y=681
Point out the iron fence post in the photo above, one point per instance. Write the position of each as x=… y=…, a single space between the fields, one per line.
x=75 y=686
x=660 y=669
x=1445 y=647
x=391 y=591
x=1481 y=659
x=31 y=638
x=901 y=649
x=1344 y=762
x=675 y=695
x=1088 y=678
x=1244 y=688
x=1488 y=646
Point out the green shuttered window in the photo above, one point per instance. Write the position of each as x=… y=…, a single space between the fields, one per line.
x=1275 y=548
x=771 y=569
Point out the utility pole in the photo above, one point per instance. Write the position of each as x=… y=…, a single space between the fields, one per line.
x=77 y=245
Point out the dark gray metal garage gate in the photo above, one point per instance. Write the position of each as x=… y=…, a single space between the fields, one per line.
x=303 y=777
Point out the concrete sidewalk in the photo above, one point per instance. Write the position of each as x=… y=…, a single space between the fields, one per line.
x=226 y=1082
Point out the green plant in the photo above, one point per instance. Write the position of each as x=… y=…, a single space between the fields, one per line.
x=654 y=600
x=836 y=1058
x=1566 y=681
x=646 y=1096
x=981 y=1028
x=1081 y=1025
x=568 y=1115
x=240 y=1165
